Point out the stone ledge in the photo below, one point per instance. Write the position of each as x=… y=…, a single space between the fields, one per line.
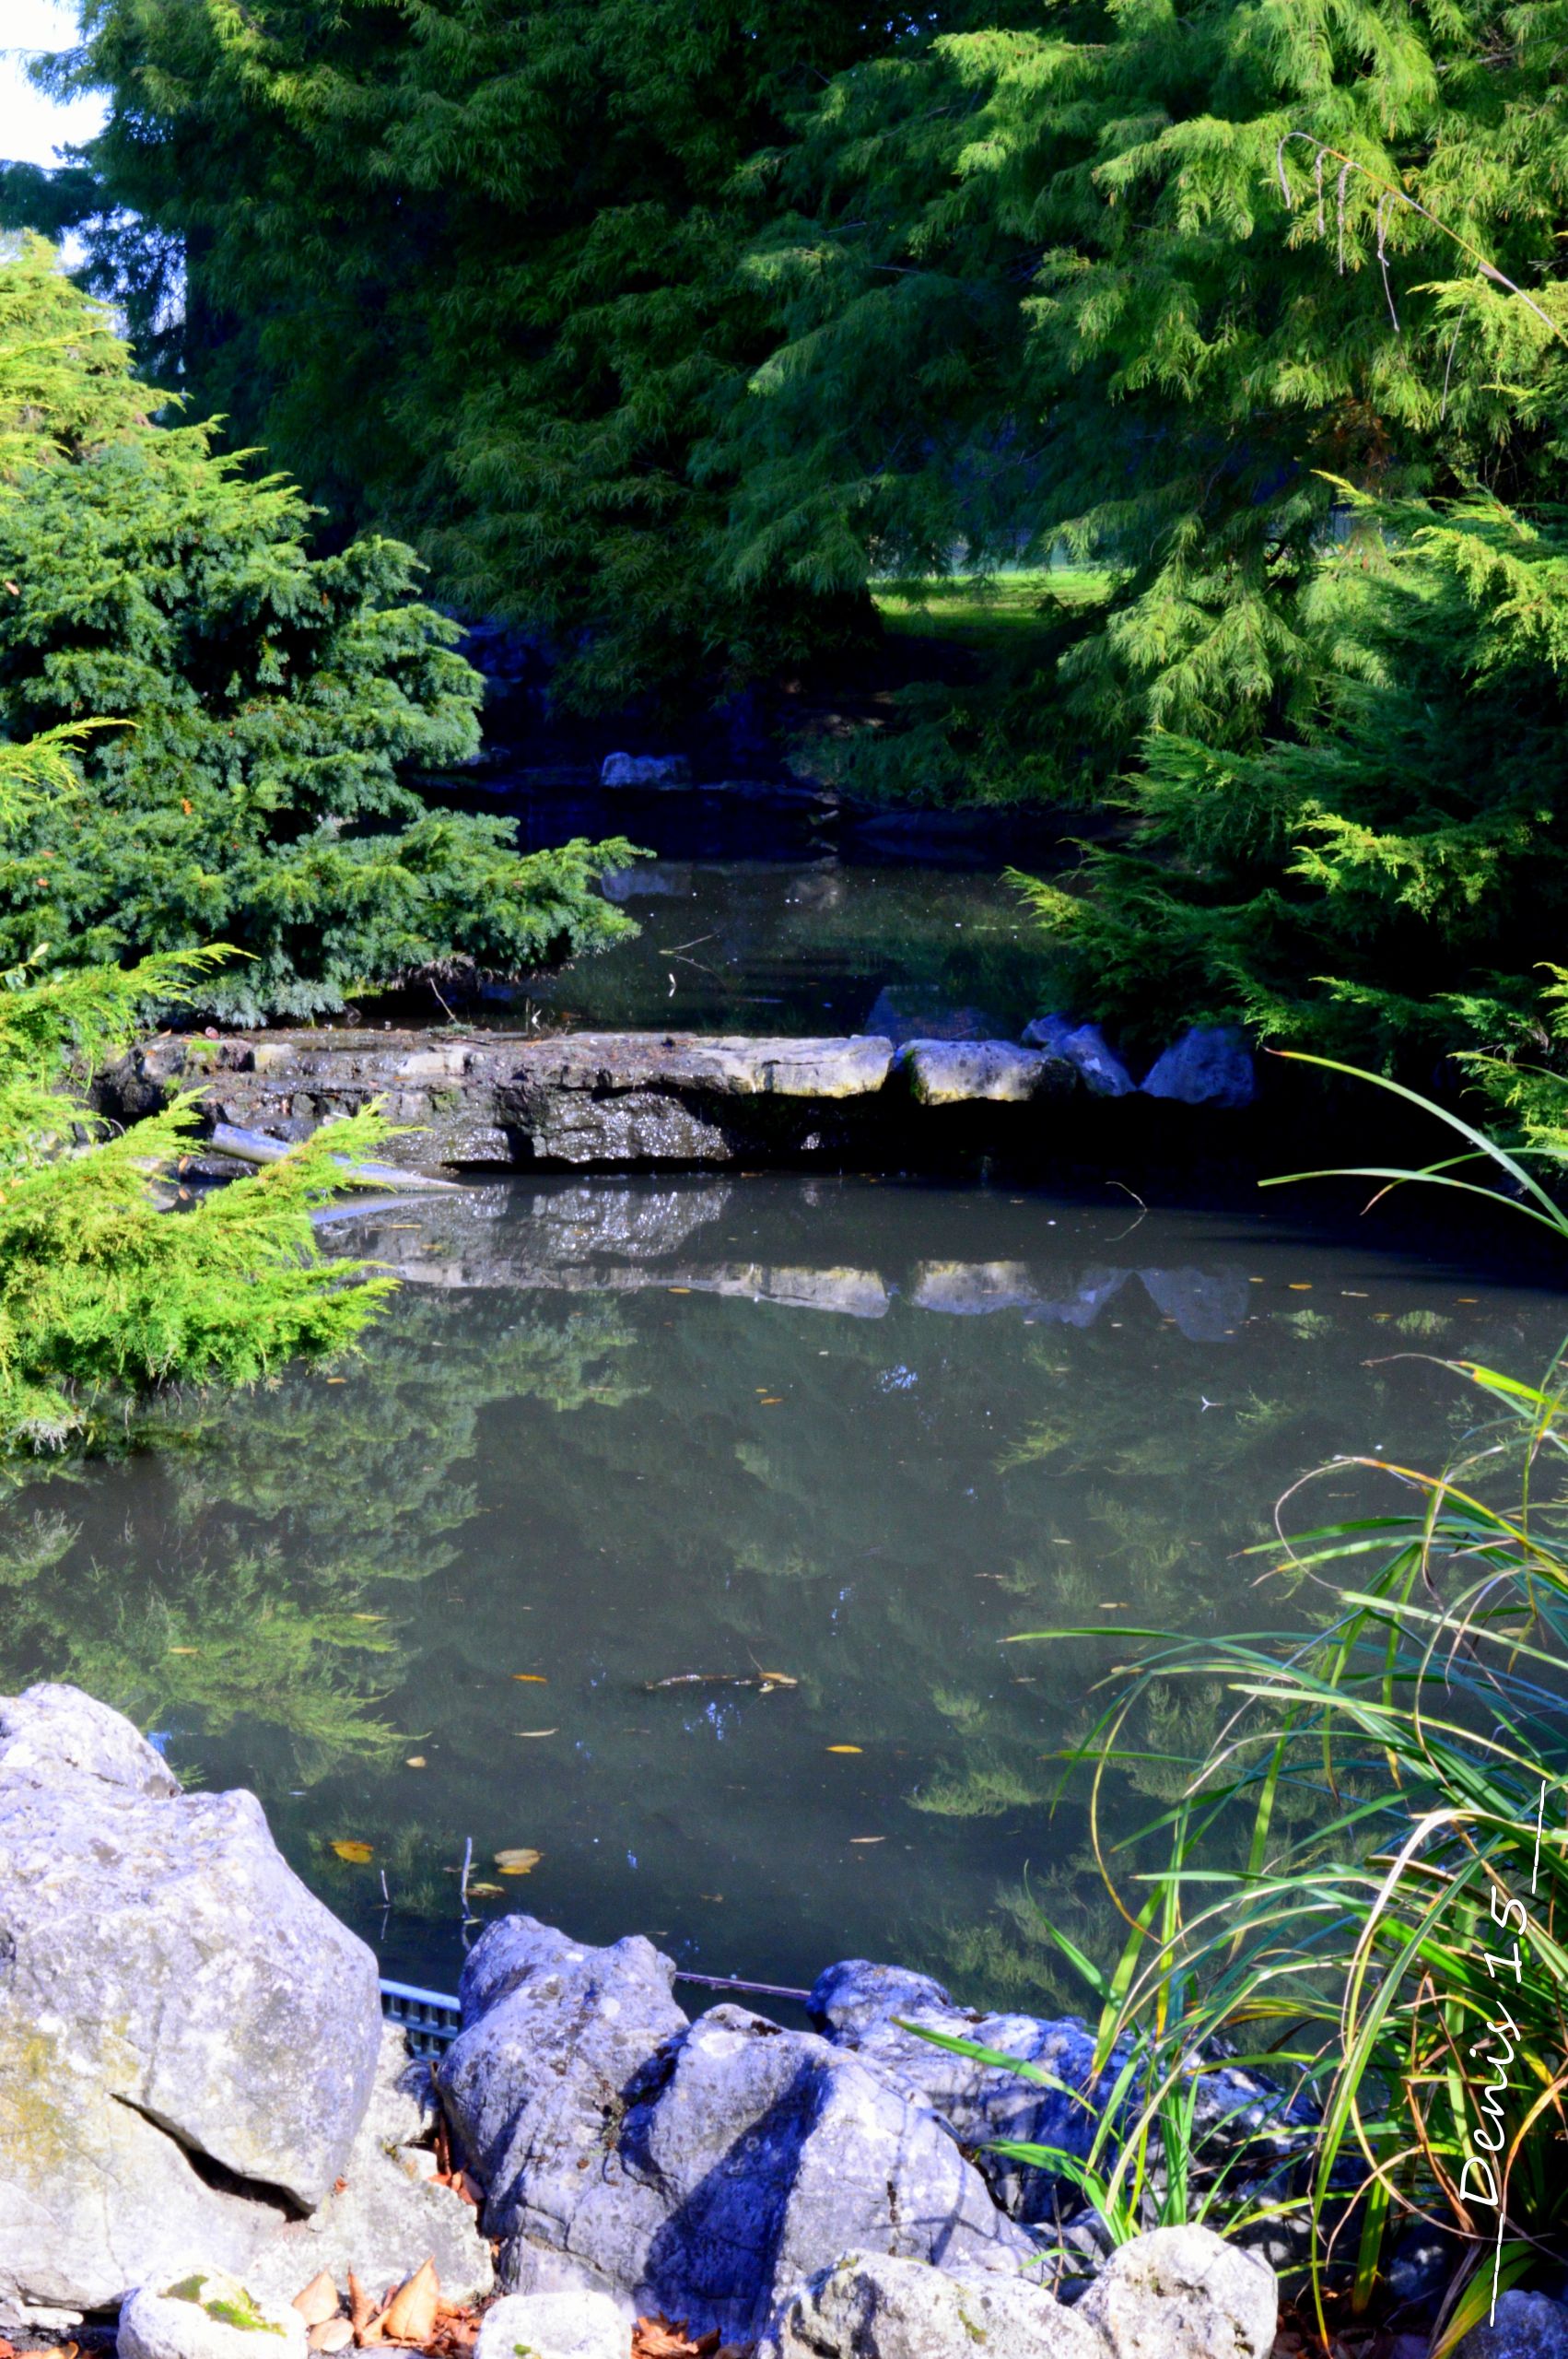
x=598 y=1100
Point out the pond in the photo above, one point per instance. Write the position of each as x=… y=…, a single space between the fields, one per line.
x=763 y=916
x=676 y=1530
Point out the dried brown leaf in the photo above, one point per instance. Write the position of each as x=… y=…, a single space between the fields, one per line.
x=330 y=2335
x=317 y=2302
x=410 y=2315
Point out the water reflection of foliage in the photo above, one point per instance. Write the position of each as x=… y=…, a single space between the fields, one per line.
x=238 y=1577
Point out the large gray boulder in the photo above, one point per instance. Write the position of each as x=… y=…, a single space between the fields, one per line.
x=869 y=2305
x=863 y=2007
x=962 y=1072
x=385 y=2215
x=1209 y=1065
x=187 y=2037
x=1184 y=2293
x=554 y=2035
x=1085 y=1048
x=703 y=2169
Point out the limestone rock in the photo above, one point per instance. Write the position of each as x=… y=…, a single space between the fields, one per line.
x=523 y=2266
x=1527 y=2326
x=703 y=2169
x=173 y=1998
x=1209 y=1065
x=388 y=2216
x=863 y=2007
x=868 y=2306
x=959 y=1073
x=203 y=2313
x=1184 y=2293
x=553 y=2326
x=731 y=1064
x=554 y=2035
x=1085 y=1048
x=966 y=1288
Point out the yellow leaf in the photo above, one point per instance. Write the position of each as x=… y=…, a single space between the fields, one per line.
x=183 y=1650
x=532 y=1678
x=486 y=1892
x=519 y=1861
x=845 y=1748
x=357 y=1853
x=415 y=1760
x=539 y=1732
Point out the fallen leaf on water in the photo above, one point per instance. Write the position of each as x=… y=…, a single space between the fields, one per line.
x=517 y=1861
x=868 y=1838
x=1300 y=1285
x=337 y=1379
x=771 y=1401
x=357 y=1853
x=532 y=1678
x=183 y=1650
x=845 y=1748
x=677 y=1289
x=317 y=2302
x=410 y=2315
x=416 y=1761
x=539 y=1732
x=486 y=1892
x=710 y=1895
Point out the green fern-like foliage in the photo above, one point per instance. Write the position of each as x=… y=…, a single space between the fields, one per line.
x=271 y=701
x=1386 y=880
x=106 y=1292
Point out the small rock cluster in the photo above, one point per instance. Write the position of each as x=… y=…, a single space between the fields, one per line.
x=205 y=2128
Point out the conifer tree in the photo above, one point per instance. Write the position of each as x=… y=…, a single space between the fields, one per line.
x=470 y=270
x=1390 y=882
x=268 y=700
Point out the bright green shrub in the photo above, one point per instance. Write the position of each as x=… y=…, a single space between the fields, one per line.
x=104 y=1290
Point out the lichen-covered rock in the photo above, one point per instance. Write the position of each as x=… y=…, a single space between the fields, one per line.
x=863 y=2007
x=959 y=1073
x=553 y=2326
x=1209 y=1065
x=204 y=2313
x=173 y=1998
x=1184 y=2293
x=1526 y=2325
x=386 y=2214
x=869 y=2305
x=704 y=2169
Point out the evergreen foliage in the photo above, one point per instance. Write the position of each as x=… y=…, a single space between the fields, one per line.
x=1390 y=879
x=1060 y=284
x=103 y=1294
x=528 y=316
x=271 y=698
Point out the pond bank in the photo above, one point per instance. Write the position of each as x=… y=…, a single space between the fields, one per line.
x=613 y=1101
x=209 y=2125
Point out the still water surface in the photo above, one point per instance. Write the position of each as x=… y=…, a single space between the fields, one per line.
x=620 y=1431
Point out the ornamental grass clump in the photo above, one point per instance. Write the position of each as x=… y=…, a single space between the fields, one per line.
x=1361 y=1903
